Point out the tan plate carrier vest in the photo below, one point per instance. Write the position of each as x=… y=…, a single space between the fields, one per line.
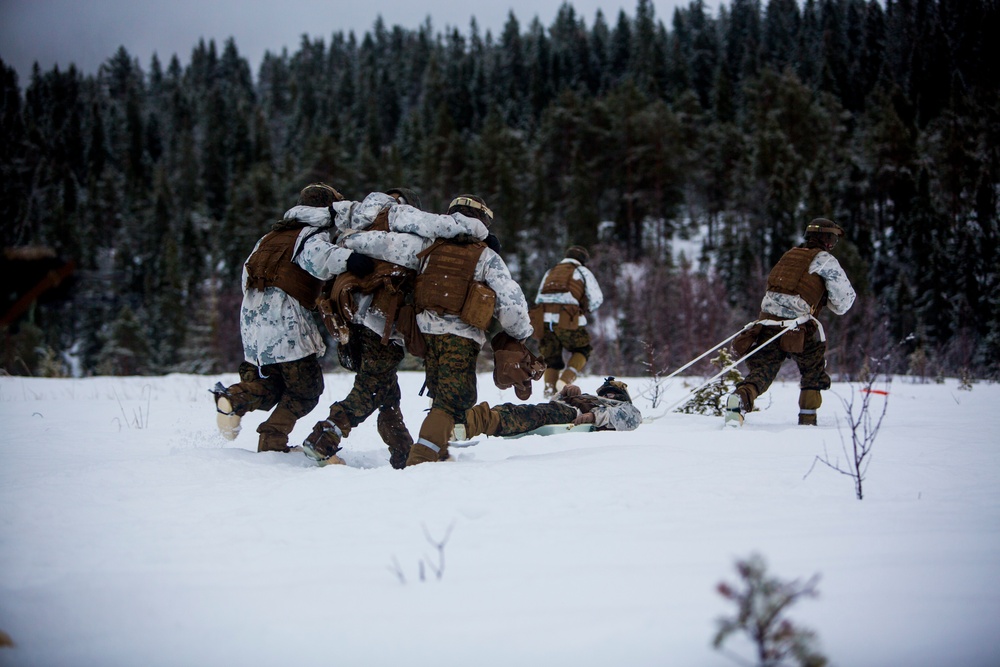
x=791 y=276
x=271 y=266
x=560 y=280
x=447 y=285
x=389 y=284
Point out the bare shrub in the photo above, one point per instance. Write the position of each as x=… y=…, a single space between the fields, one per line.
x=426 y=566
x=863 y=424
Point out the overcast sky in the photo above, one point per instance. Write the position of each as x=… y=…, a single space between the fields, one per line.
x=88 y=32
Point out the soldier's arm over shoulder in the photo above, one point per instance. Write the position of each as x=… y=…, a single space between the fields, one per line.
x=321 y=257
x=840 y=292
x=364 y=214
x=411 y=220
x=511 y=308
x=401 y=249
x=314 y=216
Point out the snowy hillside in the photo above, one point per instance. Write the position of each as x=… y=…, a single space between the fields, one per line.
x=132 y=534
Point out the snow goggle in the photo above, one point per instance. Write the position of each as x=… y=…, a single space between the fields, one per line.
x=471 y=203
x=825 y=229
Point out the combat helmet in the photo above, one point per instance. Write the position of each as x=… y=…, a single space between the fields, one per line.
x=616 y=390
x=579 y=253
x=472 y=206
x=824 y=233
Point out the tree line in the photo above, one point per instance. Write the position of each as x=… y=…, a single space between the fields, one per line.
x=635 y=135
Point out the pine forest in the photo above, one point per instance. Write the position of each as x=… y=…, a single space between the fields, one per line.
x=687 y=152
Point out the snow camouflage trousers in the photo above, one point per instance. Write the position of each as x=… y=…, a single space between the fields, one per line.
x=293 y=385
x=555 y=340
x=451 y=373
x=764 y=365
x=516 y=419
x=376 y=383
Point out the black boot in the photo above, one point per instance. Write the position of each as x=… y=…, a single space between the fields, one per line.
x=395 y=434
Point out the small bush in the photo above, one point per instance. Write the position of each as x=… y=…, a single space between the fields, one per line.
x=762 y=602
x=708 y=400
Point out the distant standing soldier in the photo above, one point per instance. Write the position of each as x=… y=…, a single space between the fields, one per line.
x=804 y=280
x=282 y=344
x=567 y=294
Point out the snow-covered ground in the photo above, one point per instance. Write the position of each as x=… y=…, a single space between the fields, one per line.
x=132 y=534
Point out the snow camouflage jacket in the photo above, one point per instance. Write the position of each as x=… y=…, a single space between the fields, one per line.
x=609 y=414
x=840 y=293
x=354 y=216
x=276 y=328
x=591 y=290
x=413 y=230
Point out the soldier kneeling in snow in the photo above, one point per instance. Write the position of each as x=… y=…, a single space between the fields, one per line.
x=610 y=410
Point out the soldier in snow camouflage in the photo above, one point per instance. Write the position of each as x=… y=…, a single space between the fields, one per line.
x=804 y=281
x=281 y=341
x=373 y=349
x=567 y=294
x=461 y=287
x=610 y=409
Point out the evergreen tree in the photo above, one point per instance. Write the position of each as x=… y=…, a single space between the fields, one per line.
x=647 y=56
x=704 y=52
x=621 y=48
x=501 y=162
x=511 y=73
x=782 y=21
x=678 y=57
x=880 y=115
x=13 y=156
x=870 y=65
x=598 y=70
x=126 y=347
x=742 y=41
x=538 y=63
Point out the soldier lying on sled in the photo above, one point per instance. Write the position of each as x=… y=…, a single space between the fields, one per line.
x=610 y=410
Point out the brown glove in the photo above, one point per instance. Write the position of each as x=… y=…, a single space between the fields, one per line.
x=514 y=365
